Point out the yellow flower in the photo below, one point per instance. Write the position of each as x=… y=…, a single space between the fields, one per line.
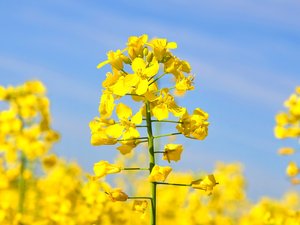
x=286 y=151
x=102 y=168
x=184 y=84
x=172 y=152
x=164 y=104
x=142 y=74
x=282 y=119
x=135 y=45
x=292 y=169
x=280 y=132
x=207 y=184
x=106 y=105
x=49 y=161
x=177 y=67
x=35 y=87
x=160 y=47
x=98 y=128
x=125 y=127
x=115 y=59
x=3 y=93
x=195 y=125
x=140 y=206
x=127 y=146
x=295 y=181
x=159 y=173
x=117 y=195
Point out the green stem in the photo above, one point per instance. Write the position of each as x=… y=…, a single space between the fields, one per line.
x=22 y=184
x=157 y=78
x=174 y=184
x=152 y=162
x=132 y=139
x=135 y=168
x=166 y=135
x=124 y=71
x=166 y=121
x=139 y=197
x=135 y=95
x=159 y=152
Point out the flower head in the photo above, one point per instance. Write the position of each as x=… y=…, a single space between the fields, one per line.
x=207 y=184
x=117 y=195
x=172 y=152
x=102 y=168
x=159 y=173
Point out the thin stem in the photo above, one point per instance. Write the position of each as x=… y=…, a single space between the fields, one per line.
x=174 y=184
x=166 y=121
x=139 y=197
x=124 y=71
x=132 y=139
x=135 y=168
x=141 y=126
x=152 y=162
x=135 y=95
x=170 y=88
x=22 y=184
x=159 y=152
x=157 y=78
x=166 y=135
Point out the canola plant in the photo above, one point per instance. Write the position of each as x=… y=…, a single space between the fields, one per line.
x=39 y=188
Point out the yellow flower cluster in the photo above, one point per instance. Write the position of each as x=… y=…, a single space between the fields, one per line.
x=25 y=124
x=62 y=196
x=288 y=123
x=135 y=72
x=288 y=126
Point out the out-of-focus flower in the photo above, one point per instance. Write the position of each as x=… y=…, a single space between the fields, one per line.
x=49 y=161
x=140 y=206
x=207 y=184
x=292 y=169
x=286 y=151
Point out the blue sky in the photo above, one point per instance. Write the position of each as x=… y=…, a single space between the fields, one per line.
x=245 y=55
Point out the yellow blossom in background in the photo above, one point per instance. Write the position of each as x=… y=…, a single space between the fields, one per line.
x=49 y=161
x=292 y=169
x=288 y=126
x=286 y=151
x=159 y=173
x=287 y=123
x=25 y=125
x=102 y=168
x=140 y=206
